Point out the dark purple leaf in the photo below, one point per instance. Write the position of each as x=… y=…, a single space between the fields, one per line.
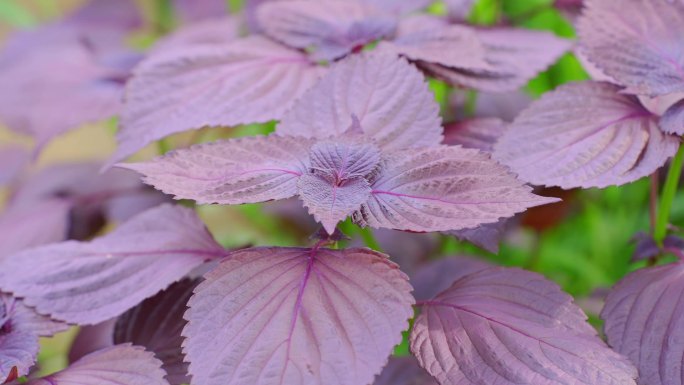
x=91 y=338
x=247 y=170
x=91 y=282
x=509 y=326
x=443 y=188
x=637 y=42
x=117 y=365
x=673 y=120
x=404 y=371
x=191 y=11
x=156 y=324
x=487 y=236
x=336 y=183
x=585 y=135
x=296 y=316
x=394 y=106
x=646 y=247
x=514 y=56
x=644 y=321
x=332 y=28
x=439 y=275
x=480 y=134
x=13 y=159
x=249 y=80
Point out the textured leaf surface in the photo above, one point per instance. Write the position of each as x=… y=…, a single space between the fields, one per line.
x=246 y=81
x=585 y=135
x=337 y=183
x=332 y=28
x=18 y=346
x=121 y=364
x=637 y=42
x=156 y=324
x=444 y=188
x=404 y=371
x=281 y=316
x=91 y=338
x=91 y=282
x=480 y=134
x=644 y=321
x=13 y=160
x=439 y=275
x=390 y=98
x=247 y=170
x=509 y=326
x=672 y=121
x=514 y=56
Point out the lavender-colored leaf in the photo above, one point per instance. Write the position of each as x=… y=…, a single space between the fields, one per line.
x=404 y=371
x=336 y=183
x=487 y=236
x=585 y=135
x=480 y=134
x=637 y=42
x=30 y=225
x=117 y=365
x=18 y=346
x=459 y=10
x=246 y=170
x=433 y=40
x=296 y=316
x=509 y=326
x=643 y=320
x=213 y=32
x=91 y=338
x=192 y=11
x=444 y=188
x=332 y=28
x=439 y=275
x=673 y=120
x=514 y=56
x=390 y=98
x=246 y=81
x=13 y=159
x=91 y=282
x=121 y=16
x=156 y=324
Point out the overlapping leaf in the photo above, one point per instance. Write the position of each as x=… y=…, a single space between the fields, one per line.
x=672 y=122
x=331 y=28
x=296 y=316
x=479 y=134
x=246 y=81
x=443 y=188
x=389 y=97
x=247 y=170
x=91 y=282
x=585 y=135
x=121 y=364
x=637 y=42
x=156 y=324
x=439 y=275
x=404 y=371
x=508 y=326
x=644 y=321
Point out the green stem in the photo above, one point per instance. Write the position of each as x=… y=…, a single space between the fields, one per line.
x=668 y=195
x=369 y=239
x=163 y=146
x=164 y=17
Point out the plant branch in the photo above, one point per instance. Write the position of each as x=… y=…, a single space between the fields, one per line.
x=668 y=195
x=653 y=201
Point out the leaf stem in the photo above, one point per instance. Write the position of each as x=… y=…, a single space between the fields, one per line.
x=653 y=201
x=164 y=18
x=668 y=195
x=369 y=239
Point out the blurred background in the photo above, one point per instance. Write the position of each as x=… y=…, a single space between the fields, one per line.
x=583 y=243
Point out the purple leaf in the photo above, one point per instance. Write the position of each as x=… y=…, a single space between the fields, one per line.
x=430 y=39
x=91 y=282
x=122 y=16
x=439 y=275
x=509 y=326
x=336 y=184
x=249 y=80
x=585 y=135
x=92 y=338
x=398 y=7
x=514 y=57
x=673 y=120
x=480 y=134
x=213 y=32
x=443 y=188
x=29 y=225
x=646 y=247
x=459 y=10
x=404 y=371
x=487 y=236
x=390 y=98
x=156 y=324
x=192 y=11
x=247 y=170
x=643 y=320
x=332 y=28
x=117 y=365
x=296 y=316
x=502 y=105
x=637 y=42
x=13 y=159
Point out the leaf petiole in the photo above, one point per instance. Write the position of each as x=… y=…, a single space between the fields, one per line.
x=668 y=195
